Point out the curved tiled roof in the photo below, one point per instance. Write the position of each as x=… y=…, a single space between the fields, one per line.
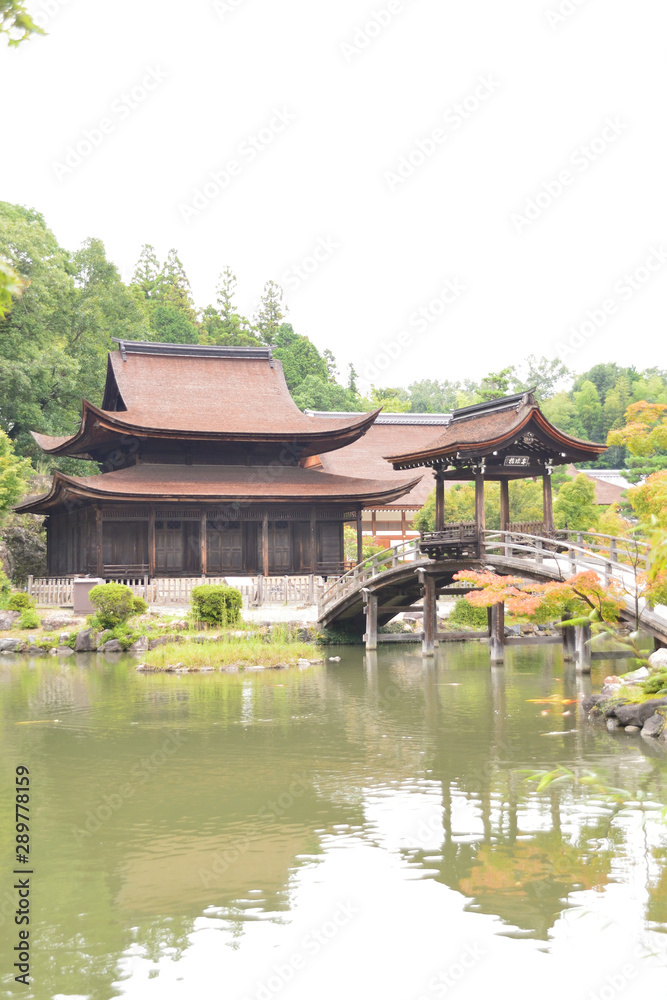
x=494 y=426
x=213 y=393
x=218 y=483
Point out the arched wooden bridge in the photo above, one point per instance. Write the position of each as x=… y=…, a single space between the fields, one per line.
x=392 y=581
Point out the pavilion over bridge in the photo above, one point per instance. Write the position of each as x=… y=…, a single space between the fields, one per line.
x=500 y=440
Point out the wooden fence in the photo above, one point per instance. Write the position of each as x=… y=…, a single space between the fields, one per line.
x=256 y=590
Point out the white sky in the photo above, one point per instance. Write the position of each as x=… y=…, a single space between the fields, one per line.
x=351 y=113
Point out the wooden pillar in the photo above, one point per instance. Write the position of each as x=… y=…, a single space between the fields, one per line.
x=403 y=525
x=313 y=540
x=582 y=635
x=265 y=544
x=371 y=636
x=497 y=632
x=360 y=539
x=480 y=522
x=548 y=503
x=505 y=512
x=202 y=544
x=430 y=614
x=151 y=542
x=374 y=523
x=439 y=501
x=98 y=541
x=568 y=639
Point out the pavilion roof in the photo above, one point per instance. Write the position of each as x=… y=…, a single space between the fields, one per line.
x=217 y=484
x=189 y=392
x=511 y=424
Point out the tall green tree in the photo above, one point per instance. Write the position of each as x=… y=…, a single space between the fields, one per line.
x=575 y=506
x=589 y=410
x=270 y=312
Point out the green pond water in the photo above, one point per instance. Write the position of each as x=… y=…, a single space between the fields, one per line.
x=356 y=829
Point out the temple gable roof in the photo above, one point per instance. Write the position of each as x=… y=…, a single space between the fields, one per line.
x=188 y=392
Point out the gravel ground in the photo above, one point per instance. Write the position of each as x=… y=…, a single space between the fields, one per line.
x=267 y=613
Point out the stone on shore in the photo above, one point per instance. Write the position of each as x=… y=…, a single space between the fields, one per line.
x=111 y=646
x=86 y=641
x=654 y=725
x=637 y=715
x=10 y=645
x=140 y=646
x=8 y=619
x=658 y=658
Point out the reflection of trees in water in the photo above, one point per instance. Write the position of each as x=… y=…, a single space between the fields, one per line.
x=385 y=723
x=534 y=850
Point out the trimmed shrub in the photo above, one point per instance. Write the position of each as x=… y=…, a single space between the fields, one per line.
x=114 y=603
x=139 y=606
x=464 y=615
x=19 y=601
x=29 y=619
x=216 y=604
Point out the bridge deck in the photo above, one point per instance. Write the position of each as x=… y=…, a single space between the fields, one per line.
x=395 y=576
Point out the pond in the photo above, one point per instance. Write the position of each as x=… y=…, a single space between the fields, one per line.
x=356 y=829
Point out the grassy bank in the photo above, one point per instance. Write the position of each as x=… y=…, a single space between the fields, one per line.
x=229 y=653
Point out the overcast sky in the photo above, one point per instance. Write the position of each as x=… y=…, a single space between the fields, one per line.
x=441 y=186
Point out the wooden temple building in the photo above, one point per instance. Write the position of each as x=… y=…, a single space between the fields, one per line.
x=504 y=439
x=208 y=467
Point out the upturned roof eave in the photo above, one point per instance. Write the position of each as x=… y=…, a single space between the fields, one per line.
x=94 y=420
x=587 y=449
x=68 y=487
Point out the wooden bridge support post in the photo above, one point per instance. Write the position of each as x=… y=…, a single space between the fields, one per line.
x=371 y=602
x=568 y=640
x=497 y=632
x=583 y=648
x=360 y=539
x=430 y=613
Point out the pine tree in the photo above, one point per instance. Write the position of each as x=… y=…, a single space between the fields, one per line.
x=270 y=313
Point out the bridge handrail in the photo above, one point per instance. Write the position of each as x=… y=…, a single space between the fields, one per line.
x=357 y=577
x=495 y=539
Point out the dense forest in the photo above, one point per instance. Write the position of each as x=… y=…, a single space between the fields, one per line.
x=69 y=304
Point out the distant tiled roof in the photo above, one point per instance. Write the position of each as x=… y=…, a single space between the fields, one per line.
x=227 y=394
x=213 y=483
x=605 y=492
x=365 y=456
